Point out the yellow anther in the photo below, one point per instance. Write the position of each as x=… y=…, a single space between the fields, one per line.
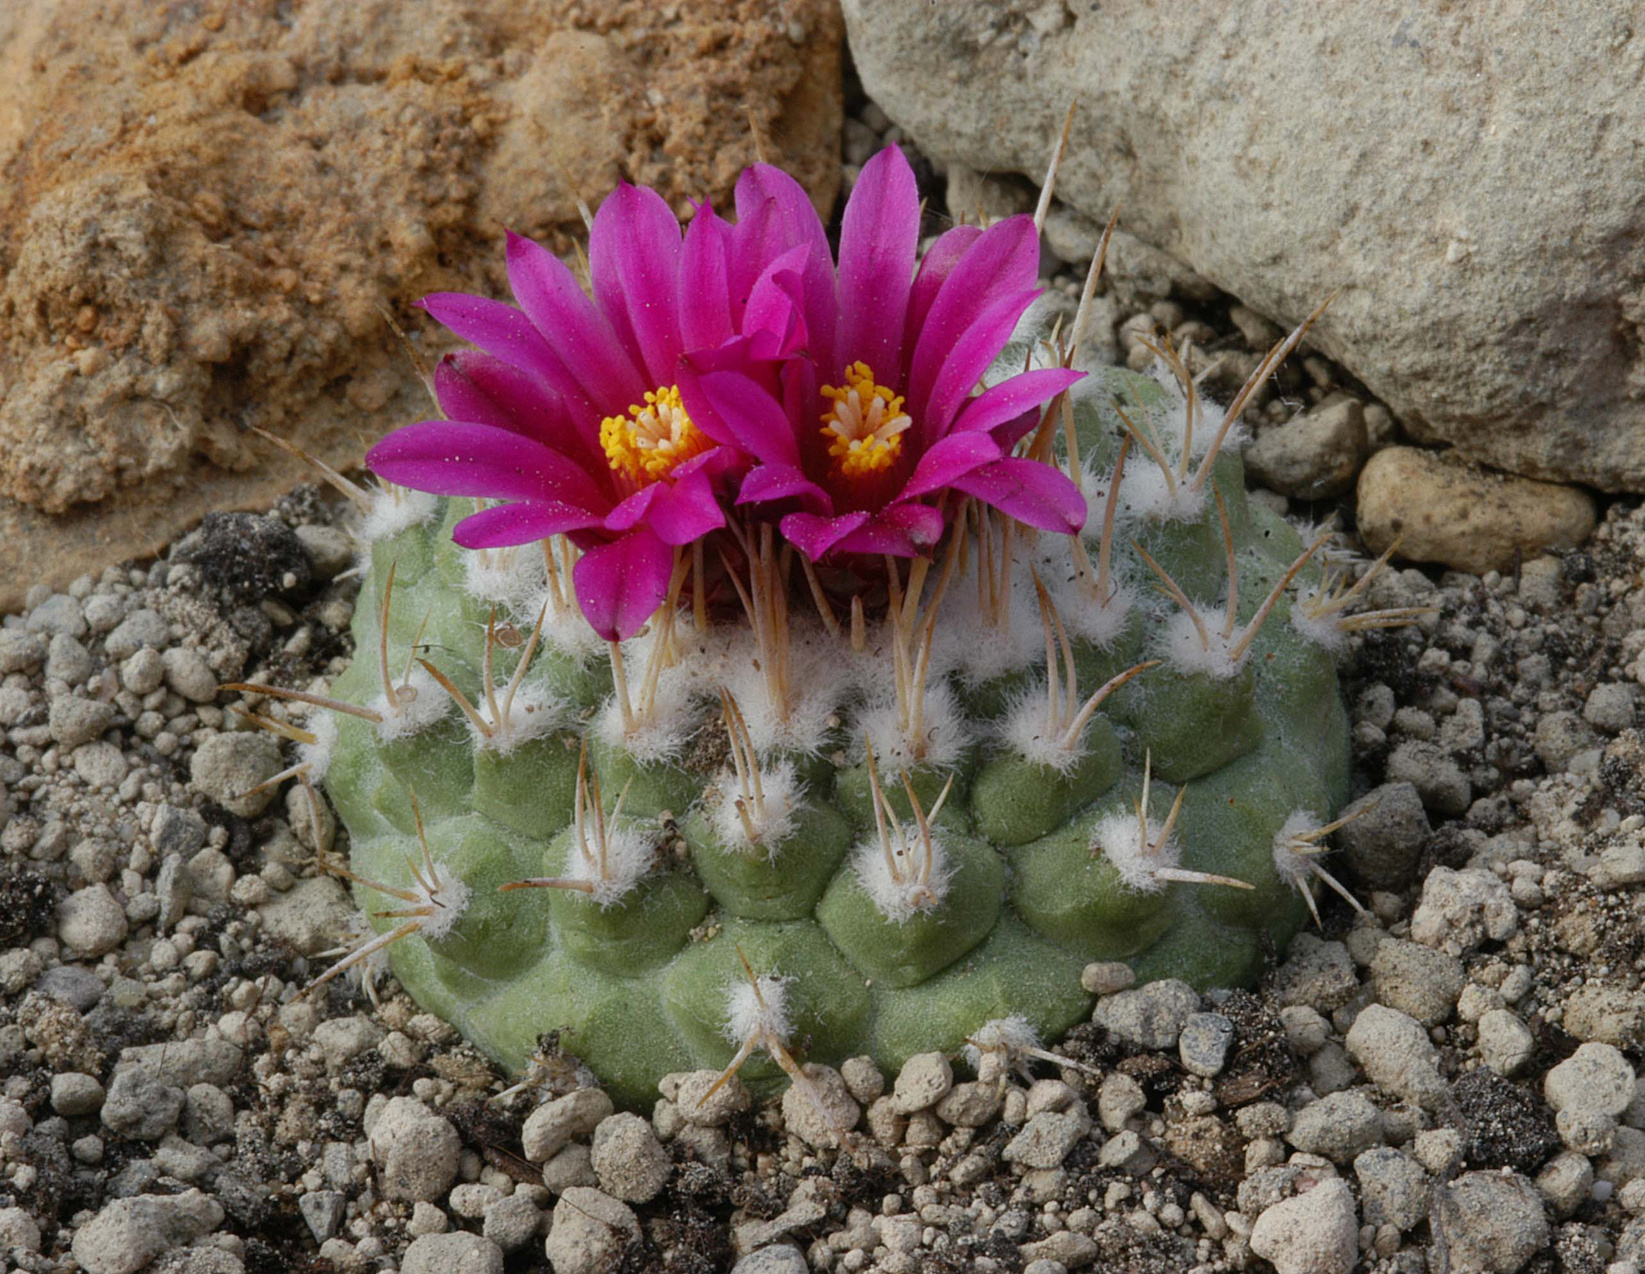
x=652 y=440
x=864 y=428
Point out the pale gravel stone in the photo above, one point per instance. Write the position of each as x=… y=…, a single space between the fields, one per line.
x=129 y=1233
x=689 y=1091
x=101 y=765
x=415 y=1149
x=75 y=1094
x=141 y=1106
x=1150 y=1016
x=1397 y=1055
x=1417 y=980
x=1339 y=1126
x=1107 y=977
x=91 y=922
x=1595 y=1077
x=189 y=674
x=20 y=650
x=1461 y=909
x=589 y=1230
x=1313 y=1233
x=140 y=630
x=1393 y=1187
x=227 y=766
x=554 y=1123
x=571 y=1165
x=629 y=1161
x=923 y=1081
x=833 y=1113
x=1047 y=1138
x=863 y=1078
x=18 y=1231
x=1506 y=1044
x=1204 y=1043
x=1494 y=1221
x=456 y=1253
x=74 y=720
x=512 y=1222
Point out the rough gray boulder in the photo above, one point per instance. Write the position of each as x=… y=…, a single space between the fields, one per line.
x=1467 y=176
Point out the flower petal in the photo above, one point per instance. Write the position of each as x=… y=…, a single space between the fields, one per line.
x=634 y=261
x=939 y=261
x=620 y=585
x=578 y=334
x=952 y=457
x=879 y=237
x=768 y=482
x=969 y=357
x=502 y=331
x=452 y=458
x=775 y=317
x=1030 y=491
x=1003 y=261
x=679 y=512
x=704 y=298
x=1012 y=397
x=733 y=404
x=775 y=214
x=816 y=536
x=903 y=530
x=504 y=525
x=476 y=388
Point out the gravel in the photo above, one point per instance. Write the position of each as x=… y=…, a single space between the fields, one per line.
x=416 y=1150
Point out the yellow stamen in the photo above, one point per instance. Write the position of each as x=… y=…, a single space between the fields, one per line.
x=649 y=442
x=864 y=427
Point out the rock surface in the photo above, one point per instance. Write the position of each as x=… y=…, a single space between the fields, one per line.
x=1399 y=176
x=1443 y=509
x=161 y=292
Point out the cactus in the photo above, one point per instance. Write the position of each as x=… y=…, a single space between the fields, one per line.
x=833 y=801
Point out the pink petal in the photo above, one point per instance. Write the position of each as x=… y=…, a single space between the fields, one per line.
x=816 y=536
x=775 y=214
x=938 y=262
x=478 y=389
x=878 y=240
x=903 y=530
x=504 y=525
x=775 y=316
x=572 y=327
x=478 y=460
x=502 y=331
x=731 y=406
x=678 y=512
x=620 y=585
x=951 y=458
x=1008 y=400
x=770 y=482
x=1031 y=492
x=704 y=291
x=969 y=357
x=634 y=256
x=1002 y=262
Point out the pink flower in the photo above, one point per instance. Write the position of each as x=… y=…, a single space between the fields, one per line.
x=571 y=415
x=861 y=432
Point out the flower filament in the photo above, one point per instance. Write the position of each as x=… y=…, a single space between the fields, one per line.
x=864 y=427
x=654 y=439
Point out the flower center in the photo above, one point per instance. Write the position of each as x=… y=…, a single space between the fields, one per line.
x=864 y=428
x=651 y=441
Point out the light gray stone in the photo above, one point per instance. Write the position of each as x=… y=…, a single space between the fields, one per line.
x=1506 y=1044
x=129 y=1233
x=1381 y=845
x=1393 y=1187
x=1417 y=980
x=923 y=1081
x=91 y=922
x=140 y=1106
x=1275 y=208
x=590 y=1229
x=1595 y=1077
x=1204 y=1043
x=779 y=1258
x=75 y=1094
x=1397 y=1055
x=629 y=1161
x=1316 y=455
x=825 y=1114
x=512 y=1222
x=554 y=1123
x=416 y=1150
x=227 y=766
x=1150 y=1016
x=1046 y=1139
x=1493 y=1221
x=1338 y=1127
x=1313 y=1233
x=1461 y=909
x=323 y=1212
x=142 y=629
x=455 y=1253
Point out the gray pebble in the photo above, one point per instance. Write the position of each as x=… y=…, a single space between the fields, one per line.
x=512 y=1222
x=20 y=651
x=1506 y=1044
x=1397 y=1055
x=1438 y=779
x=554 y=1123
x=1381 y=844
x=75 y=1094
x=1610 y=707
x=629 y=1161
x=72 y=984
x=227 y=766
x=1393 y=1188
x=1313 y=1233
x=1417 y=980
x=59 y=614
x=1338 y=1127
x=1560 y=737
x=323 y=1212
x=1046 y=1139
x=1151 y=1016
x=142 y=629
x=1204 y=1043
x=329 y=550
x=1494 y=1221
x=130 y=1232
x=67 y=660
x=189 y=674
x=143 y=672
x=589 y=1230
x=455 y=1253
x=91 y=922
x=415 y=1150
x=208 y=1114
x=779 y=1258
x=141 y=1107
x=923 y=1081
x=178 y=831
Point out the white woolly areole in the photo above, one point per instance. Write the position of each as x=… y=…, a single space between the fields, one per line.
x=564 y=628
x=900 y=900
x=534 y=712
x=762 y=1015
x=1101 y=623
x=1147 y=495
x=1291 y=867
x=317 y=755
x=427 y=706
x=393 y=509
x=1011 y=1035
x=511 y=577
x=773 y=822
x=1119 y=838
x=821 y=678
x=629 y=852
x=1324 y=628
x=448 y=901
x=1026 y=731
x=1212 y=657
x=943 y=735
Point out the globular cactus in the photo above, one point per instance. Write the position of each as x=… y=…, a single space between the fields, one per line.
x=834 y=801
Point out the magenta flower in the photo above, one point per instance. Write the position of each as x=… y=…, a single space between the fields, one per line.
x=861 y=434
x=571 y=415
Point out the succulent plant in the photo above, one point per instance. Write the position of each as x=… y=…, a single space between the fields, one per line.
x=874 y=773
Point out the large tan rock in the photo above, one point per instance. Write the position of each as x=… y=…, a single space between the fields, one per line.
x=1456 y=513
x=205 y=209
x=1468 y=175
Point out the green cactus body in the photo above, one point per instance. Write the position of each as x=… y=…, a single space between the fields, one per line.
x=1042 y=861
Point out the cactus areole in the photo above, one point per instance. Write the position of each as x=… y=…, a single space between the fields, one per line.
x=774 y=656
